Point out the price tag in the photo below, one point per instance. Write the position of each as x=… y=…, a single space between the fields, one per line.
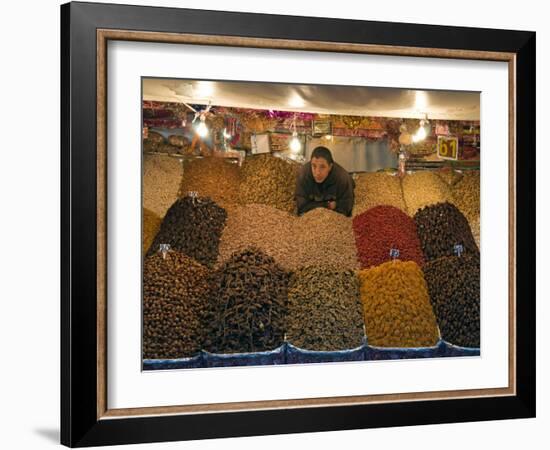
x=194 y=196
x=458 y=249
x=394 y=253
x=164 y=249
x=447 y=147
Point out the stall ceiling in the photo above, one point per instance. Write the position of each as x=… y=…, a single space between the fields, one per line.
x=322 y=99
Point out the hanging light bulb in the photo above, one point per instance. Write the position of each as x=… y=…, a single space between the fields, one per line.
x=422 y=131
x=202 y=129
x=226 y=135
x=295 y=145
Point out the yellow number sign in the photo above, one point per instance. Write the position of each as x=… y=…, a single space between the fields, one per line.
x=447 y=147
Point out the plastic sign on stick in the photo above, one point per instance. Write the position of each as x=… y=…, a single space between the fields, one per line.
x=447 y=147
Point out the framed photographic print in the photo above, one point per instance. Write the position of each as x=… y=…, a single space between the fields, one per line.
x=279 y=224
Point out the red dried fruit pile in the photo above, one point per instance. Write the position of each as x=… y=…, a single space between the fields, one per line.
x=381 y=229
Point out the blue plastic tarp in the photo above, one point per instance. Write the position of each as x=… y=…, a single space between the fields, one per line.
x=373 y=353
x=296 y=355
x=193 y=362
x=271 y=357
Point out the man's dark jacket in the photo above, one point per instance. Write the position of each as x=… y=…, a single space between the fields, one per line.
x=337 y=186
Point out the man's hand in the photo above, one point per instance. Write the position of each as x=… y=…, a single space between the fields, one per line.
x=331 y=205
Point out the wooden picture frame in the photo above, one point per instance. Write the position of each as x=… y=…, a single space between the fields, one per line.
x=86 y=418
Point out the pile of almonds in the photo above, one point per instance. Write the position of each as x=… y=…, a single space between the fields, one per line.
x=319 y=237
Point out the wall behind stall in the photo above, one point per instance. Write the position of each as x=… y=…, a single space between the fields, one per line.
x=29 y=187
x=356 y=154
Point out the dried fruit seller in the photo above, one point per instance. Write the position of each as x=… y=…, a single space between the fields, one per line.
x=323 y=183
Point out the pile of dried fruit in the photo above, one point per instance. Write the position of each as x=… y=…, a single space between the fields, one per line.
x=249 y=293
x=212 y=177
x=453 y=284
x=151 y=225
x=175 y=304
x=319 y=237
x=449 y=175
x=324 y=237
x=268 y=180
x=466 y=196
x=161 y=181
x=153 y=142
x=441 y=228
x=181 y=143
x=381 y=229
x=324 y=309
x=424 y=188
x=194 y=227
x=396 y=306
x=475 y=228
x=267 y=228
x=374 y=189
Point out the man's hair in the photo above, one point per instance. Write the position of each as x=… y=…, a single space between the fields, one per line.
x=322 y=152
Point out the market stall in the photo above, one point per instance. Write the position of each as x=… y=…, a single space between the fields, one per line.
x=234 y=276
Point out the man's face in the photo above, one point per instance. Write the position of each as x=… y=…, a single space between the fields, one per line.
x=320 y=168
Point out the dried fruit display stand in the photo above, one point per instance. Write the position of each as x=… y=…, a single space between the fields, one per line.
x=232 y=276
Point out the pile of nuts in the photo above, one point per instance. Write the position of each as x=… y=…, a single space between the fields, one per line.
x=192 y=226
x=161 y=181
x=325 y=237
x=449 y=175
x=268 y=180
x=441 y=229
x=151 y=225
x=324 y=309
x=424 y=188
x=249 y=293
x=475 y=228
x=175 y=305
x=212 y=177
x=374 y=189
x=383 y=230
x=319 y=237
x=466 y=194
x=453 y=284
x=267 y=228
x=396 y=306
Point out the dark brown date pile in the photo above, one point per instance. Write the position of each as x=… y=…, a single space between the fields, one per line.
x=453 y=284
x=192 y=227
x=442 y=226
x=324 y=309
x=381 y=229
x=268 y=180
x=175 y=296
x=249 y=293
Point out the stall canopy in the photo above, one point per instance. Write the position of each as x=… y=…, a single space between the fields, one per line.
x=321 y=99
